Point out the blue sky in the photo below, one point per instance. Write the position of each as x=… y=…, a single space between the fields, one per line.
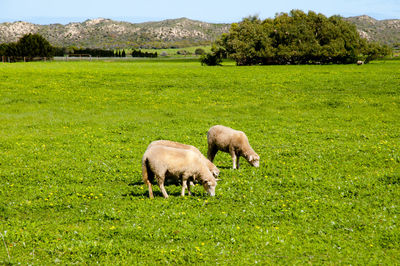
x=55 y=11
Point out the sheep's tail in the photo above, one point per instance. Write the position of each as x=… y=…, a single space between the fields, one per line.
x=147 y=175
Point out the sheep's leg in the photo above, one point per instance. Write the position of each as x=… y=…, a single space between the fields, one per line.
x=234 y=158
x=188 y=184
x=162 y=188
x=150 y=189
x=211 y=152
x=237 y=161
x=164 y=192
x=184 y=185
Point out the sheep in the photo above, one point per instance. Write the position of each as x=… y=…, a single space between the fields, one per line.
x=221 y=138
x=164 y=162
x=359 y=62
x=213 y=169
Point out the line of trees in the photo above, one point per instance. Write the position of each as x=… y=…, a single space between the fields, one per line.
x=120 y=53
x=32 y=46
x=93 y=52
x=295 y=38
x=139 y=53
x=62 y=51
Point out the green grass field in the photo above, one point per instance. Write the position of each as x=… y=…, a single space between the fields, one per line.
x=73 y=133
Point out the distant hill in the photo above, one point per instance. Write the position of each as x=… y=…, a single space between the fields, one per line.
x=107 y=33
x=382 y=31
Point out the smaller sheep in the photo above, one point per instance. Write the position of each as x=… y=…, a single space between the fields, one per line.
x=168 y=143
x=221 y=138
x=161 y=162
x=359 y=62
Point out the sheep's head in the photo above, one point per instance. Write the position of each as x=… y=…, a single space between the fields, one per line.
x=254 y=160
x=209 y=185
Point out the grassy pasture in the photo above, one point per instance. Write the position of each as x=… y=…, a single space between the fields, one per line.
x=72 y=135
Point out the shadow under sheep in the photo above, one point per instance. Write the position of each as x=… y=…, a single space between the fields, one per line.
x=145 y=192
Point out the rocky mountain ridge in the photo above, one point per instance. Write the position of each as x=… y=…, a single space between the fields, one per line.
x=107 y=33
x=383 y=31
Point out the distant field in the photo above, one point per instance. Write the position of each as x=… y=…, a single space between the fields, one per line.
x=73 y=134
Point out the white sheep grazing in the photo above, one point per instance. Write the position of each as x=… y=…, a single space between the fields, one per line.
x=359 y=62
x=161 y=162
x=221 y=138
x=213 y=169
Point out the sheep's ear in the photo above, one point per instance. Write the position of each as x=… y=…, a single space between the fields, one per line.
x=251 y=158
x=218 y=179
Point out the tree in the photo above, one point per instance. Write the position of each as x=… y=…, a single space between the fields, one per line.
x=296 y=38
x=246 y=42
x=3 y=49
x=34 y=45
x=375 y=51
x=123 y=53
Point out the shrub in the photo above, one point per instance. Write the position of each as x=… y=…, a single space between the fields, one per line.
x=211 y=59
x=60 y=51
x=183 y=52
x=199 y=51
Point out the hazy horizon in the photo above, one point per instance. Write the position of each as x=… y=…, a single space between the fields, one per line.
x=46 y=12
x=65 y=21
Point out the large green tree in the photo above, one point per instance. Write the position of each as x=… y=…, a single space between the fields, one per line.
x=34 y=45
x=296 y=38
